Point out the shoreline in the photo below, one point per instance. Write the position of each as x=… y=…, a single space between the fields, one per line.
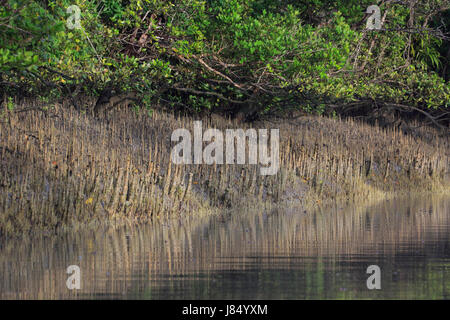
x=62 y=168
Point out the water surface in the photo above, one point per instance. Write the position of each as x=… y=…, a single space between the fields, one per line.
x=269 y=254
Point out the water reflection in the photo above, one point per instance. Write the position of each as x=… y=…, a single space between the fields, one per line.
x=273 y=254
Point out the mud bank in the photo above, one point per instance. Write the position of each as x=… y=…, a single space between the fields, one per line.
x=62 y=169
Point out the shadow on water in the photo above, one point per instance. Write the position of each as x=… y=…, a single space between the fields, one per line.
x=276 y=254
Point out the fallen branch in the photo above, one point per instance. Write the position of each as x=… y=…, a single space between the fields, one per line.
x=210 y=93
x=429 y=116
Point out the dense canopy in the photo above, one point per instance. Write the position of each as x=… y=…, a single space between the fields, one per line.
x=257 y=57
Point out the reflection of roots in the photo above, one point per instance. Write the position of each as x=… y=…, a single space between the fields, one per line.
x=110 y=258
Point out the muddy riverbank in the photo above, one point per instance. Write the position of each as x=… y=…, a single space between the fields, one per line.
x=62 y=169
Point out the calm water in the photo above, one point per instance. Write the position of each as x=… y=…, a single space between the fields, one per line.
x=274 y=254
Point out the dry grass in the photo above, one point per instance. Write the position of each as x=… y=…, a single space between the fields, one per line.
x=61 y=168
